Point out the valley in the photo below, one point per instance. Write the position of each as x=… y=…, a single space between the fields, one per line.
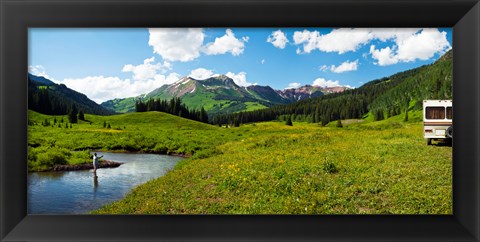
x=370 y=167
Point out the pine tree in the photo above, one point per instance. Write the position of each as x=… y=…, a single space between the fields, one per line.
x=289 y=121
x=378 y=115
x=406 y=111
x=104 y=124
x=236 y=122
x=108 y=126
x=81 y=116
x=317 y=115
x=72 y=114
x=204 y=116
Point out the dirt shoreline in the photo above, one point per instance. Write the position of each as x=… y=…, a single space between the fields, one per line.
x=85 y=166
x=104 y=163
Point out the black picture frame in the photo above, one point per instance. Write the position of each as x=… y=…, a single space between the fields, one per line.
x=18 y=15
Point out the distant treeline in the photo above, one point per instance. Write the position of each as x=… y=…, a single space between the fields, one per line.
x=174 y=106
x=384 y=97
x=350 y=104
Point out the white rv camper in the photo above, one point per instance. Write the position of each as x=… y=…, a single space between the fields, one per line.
x=437 y=120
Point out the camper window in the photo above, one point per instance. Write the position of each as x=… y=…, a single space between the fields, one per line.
x=435 y=113
x=449 y=112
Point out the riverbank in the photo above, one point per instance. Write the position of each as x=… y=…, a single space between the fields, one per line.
x=85 y=166
x=132 y=133
x=79 y=192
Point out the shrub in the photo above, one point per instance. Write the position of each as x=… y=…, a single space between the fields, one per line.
x=80 y=157
x=339 y=124
x=329 y=167
x=44 y=158
x=160 y=148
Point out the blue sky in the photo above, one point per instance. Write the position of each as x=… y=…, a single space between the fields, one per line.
x=118 y=63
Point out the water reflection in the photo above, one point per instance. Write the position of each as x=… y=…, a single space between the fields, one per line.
x=95 y=183
x=78 y=192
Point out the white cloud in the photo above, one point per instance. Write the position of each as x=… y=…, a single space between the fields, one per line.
x=38 y=70
x=408 y=47
x=409 y=44
x=293 y=85
x=225 y=44
x=100 y=88
x=340 y=40
x=262 y=61
x=147 y=70
x=201 y=74
x=176 y=44
x=384 y=56
x=345 y=66
x=181 y=44
x=343 y=40
x=308 y=39
x=240 y=79
x=278 y=39
x=322 y=82
x=103 y=88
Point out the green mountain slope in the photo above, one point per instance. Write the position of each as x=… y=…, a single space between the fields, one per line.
x=428 y=82
x=121 y=105
x=216 y=95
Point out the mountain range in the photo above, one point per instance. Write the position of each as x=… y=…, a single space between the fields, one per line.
x=220 y=94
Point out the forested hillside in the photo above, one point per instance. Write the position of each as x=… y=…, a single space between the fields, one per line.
x=381 y=98
x=174 y=106
x=44 y=96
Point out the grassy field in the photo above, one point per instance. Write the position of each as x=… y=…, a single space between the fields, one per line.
x=268 y=168
x=140 y=132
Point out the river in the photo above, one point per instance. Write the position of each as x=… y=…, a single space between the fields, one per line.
x=78 y=192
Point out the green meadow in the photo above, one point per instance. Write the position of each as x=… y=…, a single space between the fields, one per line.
x=365 y=167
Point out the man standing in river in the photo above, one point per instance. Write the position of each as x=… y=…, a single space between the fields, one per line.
x=95 y=163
